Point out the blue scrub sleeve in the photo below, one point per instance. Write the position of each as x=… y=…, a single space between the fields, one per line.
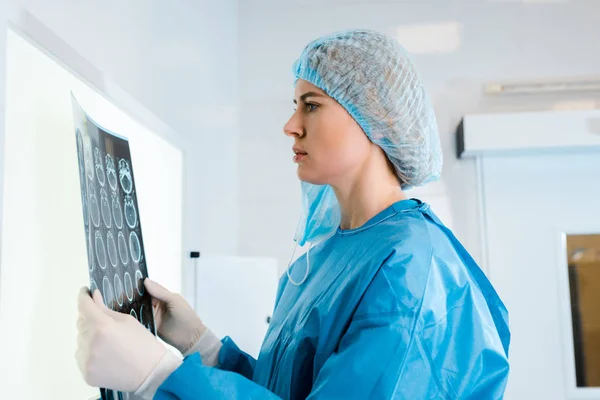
x=232 y=359
x=193 y=381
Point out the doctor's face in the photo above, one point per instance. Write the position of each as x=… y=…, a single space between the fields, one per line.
x=329 y=145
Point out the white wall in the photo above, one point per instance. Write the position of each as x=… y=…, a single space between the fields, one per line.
x=458 y=45
x=179 y=60
x=7 y=12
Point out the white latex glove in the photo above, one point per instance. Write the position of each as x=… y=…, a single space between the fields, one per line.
x=176 y=322
x=114 y=350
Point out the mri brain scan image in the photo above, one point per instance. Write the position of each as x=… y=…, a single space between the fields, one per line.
x=99 y=167
x=111 y=246
x=100 y=250
x=125 y=176
x=105 y=207
x=130 y=212
x=112 y=224
x=94 y=207
x=111 y=172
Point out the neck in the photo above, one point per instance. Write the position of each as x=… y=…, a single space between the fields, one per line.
x=365 y=193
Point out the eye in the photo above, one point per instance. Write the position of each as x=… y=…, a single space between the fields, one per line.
x=311 y=107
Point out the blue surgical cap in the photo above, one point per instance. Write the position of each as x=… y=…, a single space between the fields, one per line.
x=372 y=77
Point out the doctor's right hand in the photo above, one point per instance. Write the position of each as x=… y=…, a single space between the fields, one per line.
x=176 y=322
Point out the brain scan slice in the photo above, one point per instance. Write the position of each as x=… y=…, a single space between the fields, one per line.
x=130 y=212
x=139 y=282
x=105 y=207
x=100 y=250
x=93 y=204
x=111 y=246
x=87 y=156
x=99 y=166
x=111 y=172
x=116 y=211
x=125 y=176
x=122 y=244
x=128 y=286
x=86 y=210
x=135 y=247
x=107 y=293
x=118 y=285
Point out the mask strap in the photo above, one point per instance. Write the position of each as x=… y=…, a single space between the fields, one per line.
x=307 y=266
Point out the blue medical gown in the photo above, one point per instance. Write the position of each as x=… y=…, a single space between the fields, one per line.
x=396 y=309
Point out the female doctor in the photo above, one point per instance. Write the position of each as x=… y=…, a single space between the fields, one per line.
x=385 y=304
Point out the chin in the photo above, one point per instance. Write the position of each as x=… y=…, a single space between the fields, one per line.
x=311 y=177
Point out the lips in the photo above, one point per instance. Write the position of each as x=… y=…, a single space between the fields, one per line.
x=299 y=154
x=299 y=151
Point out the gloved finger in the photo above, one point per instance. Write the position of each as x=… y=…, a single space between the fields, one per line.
x=82 y=343
x=98 y=299
x=80 y=323
x=79 y=358
x=84 y=290
x=156 y=303
x=86 y=306
x=157 y=291
x=107 y=311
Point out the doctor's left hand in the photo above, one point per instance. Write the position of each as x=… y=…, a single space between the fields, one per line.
x=114 y=351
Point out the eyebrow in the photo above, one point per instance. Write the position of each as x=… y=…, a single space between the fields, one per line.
x=308 y=94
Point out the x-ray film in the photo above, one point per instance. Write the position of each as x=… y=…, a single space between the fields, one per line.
x=113 y=232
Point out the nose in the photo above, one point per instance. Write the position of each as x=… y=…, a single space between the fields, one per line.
x=293 y=128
